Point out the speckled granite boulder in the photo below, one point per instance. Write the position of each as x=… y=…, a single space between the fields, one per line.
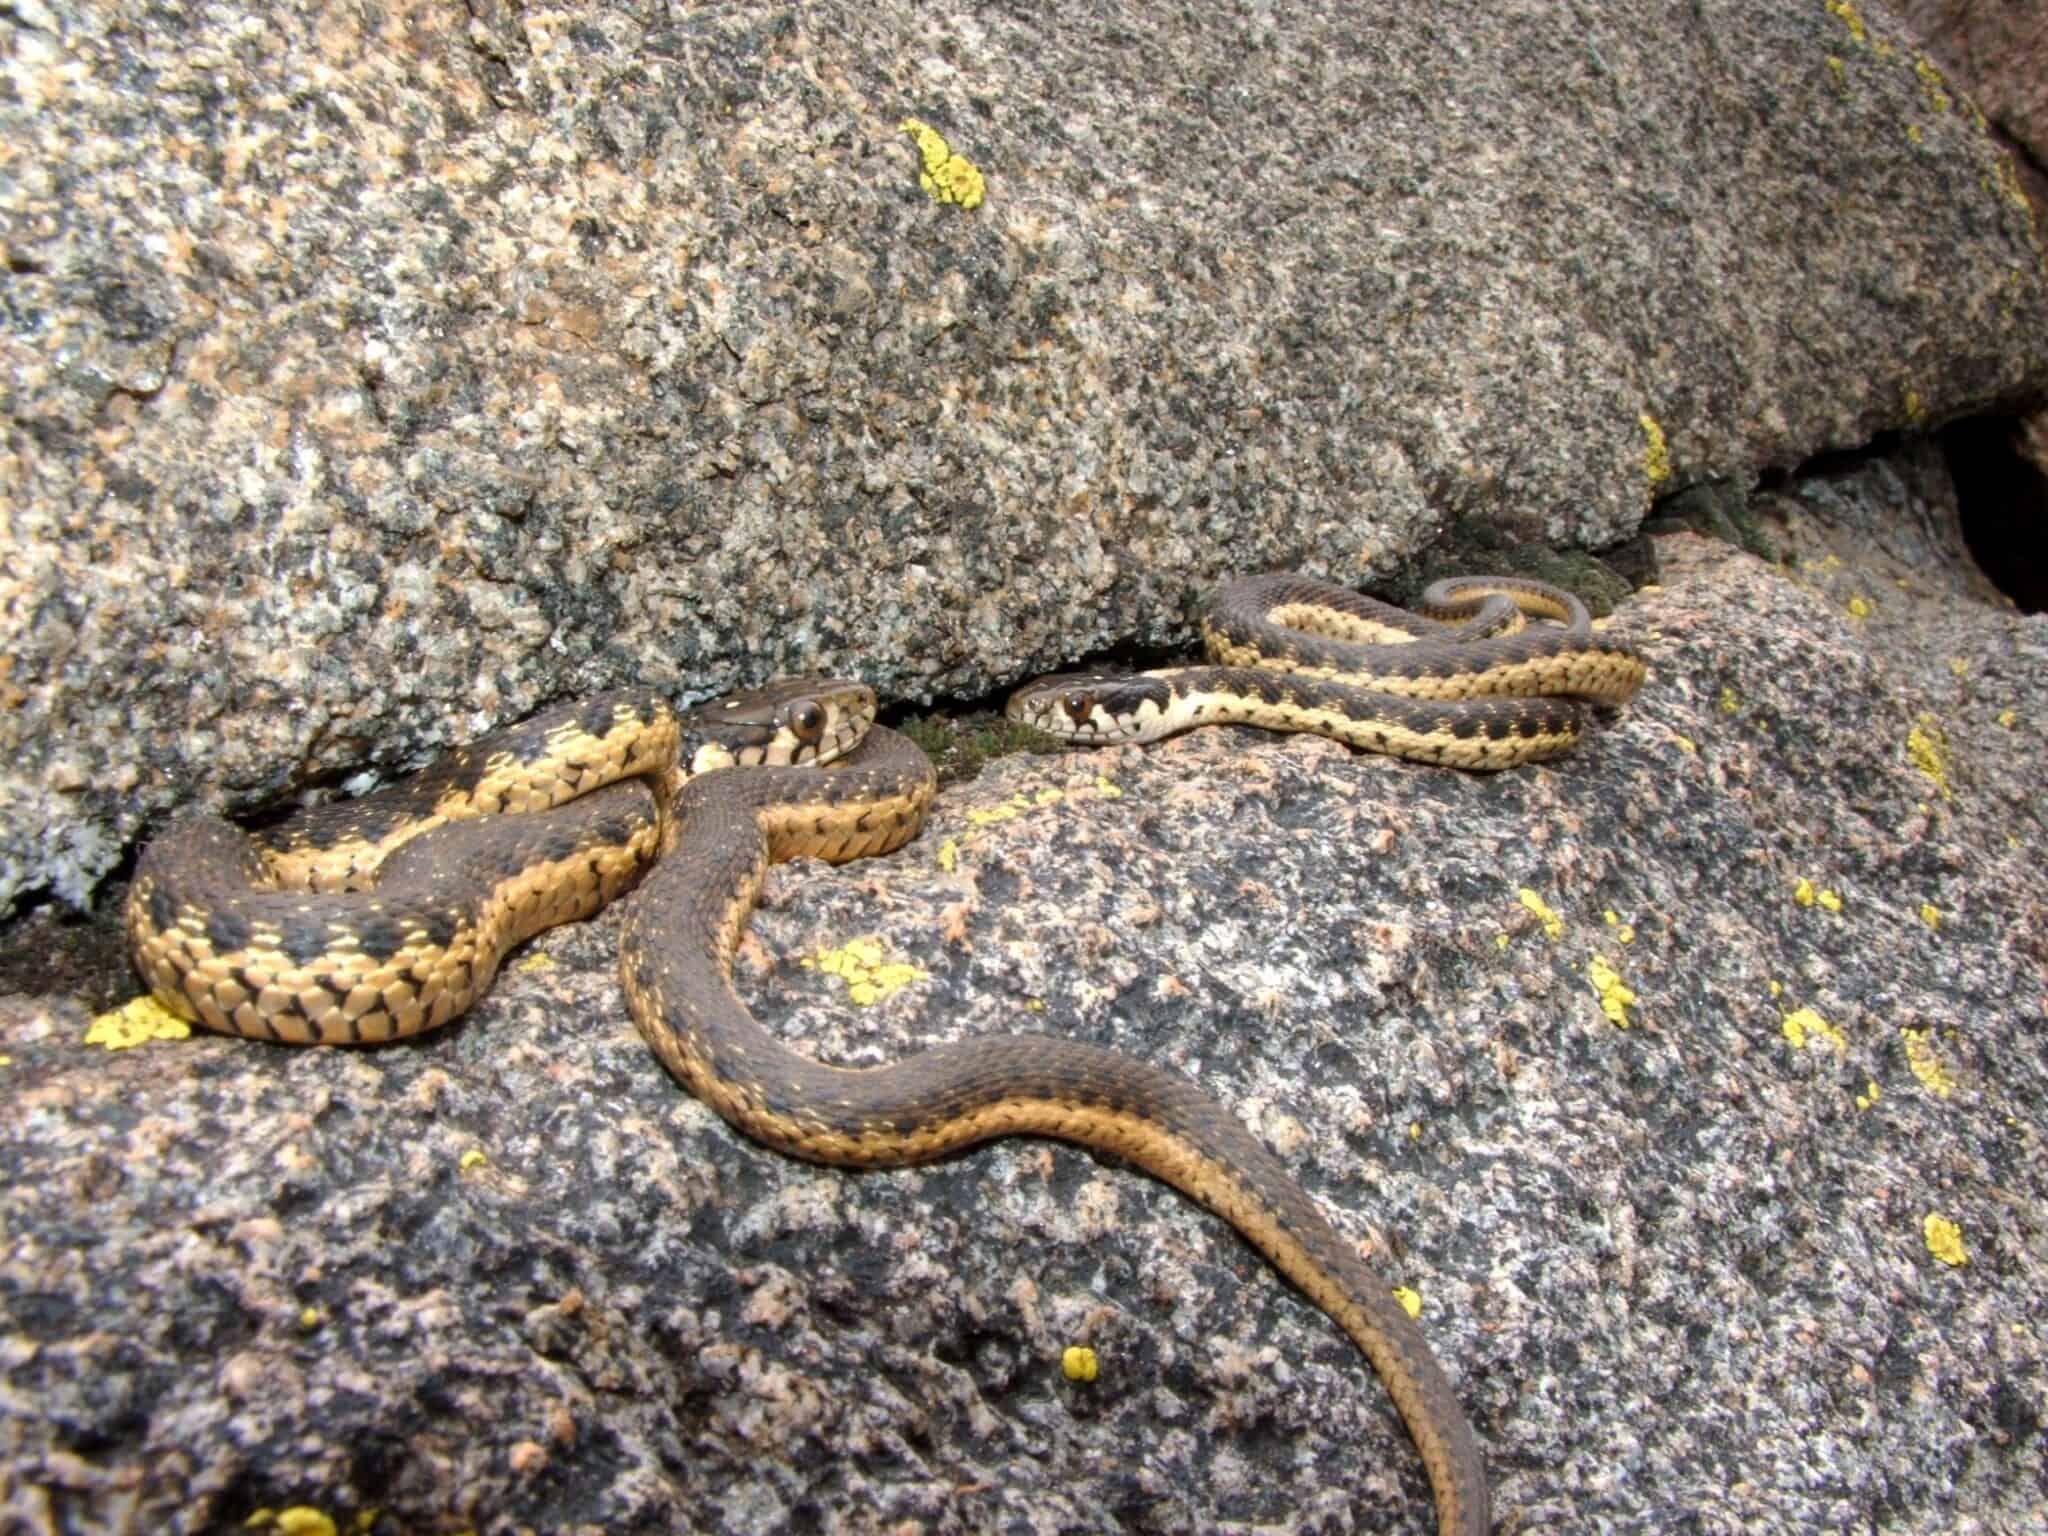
x=1693 y=1081
x=375 y=375
x=1999 y=53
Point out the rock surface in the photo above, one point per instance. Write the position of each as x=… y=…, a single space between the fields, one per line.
x=1679 y=1257
x=375 y=375
x=1999 y=53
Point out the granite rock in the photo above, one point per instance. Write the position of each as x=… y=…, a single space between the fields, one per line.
x=1654 y=1071
x=1999 y=54
x=375 y=375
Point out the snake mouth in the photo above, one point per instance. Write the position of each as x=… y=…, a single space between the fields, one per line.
x=1093 y=707
x=786 y=722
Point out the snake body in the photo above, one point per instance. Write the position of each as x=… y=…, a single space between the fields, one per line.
x=1466 y=682
x=386 y=916
x=950 y=1097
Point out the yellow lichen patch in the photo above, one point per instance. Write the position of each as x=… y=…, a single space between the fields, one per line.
x=2008 y=718
x=1079 y=1363
x=1847 y=15
x=1656 y=452
x=1932 y=83
x=1868 y=1096
x=860 y=965
x=1553 y=925
x=309 y=1319
x=473 y=1158
x=1839 y=70
x=1624 y=933
x=2008 y=184
x=1501 y=941
x=1930 y=914
x=1731 y=702
x=1944 y=1240
x=1019 y=803
x=1614 y=994
x=1914 y=134
x=1959 y=666
x=1927 y=746
x=945 y=176
x=1804 y=1027
x=1777 y=989
x=1411 y=1301
x=949 y=854
x=1859 y=607
x=1916 y=412
x=134 y=1023
x=1807 y=894
x=1686 y=744
x=535 y=962
x=1934 y=1077
x=1009 y=810
x=302 y=1520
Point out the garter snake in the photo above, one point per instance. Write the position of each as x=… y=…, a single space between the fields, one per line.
x=386 y=916
x=1467 y=682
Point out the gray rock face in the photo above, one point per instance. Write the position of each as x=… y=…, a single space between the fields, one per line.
x=1655 y=1071
x=1999 y=53
x=373 y=376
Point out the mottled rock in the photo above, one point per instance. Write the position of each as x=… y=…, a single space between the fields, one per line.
x=1655 y=1071
x=373 y=376
x=1998 y=52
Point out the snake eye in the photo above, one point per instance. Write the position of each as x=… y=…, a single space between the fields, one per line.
x=807 y=719
x=1079 y=705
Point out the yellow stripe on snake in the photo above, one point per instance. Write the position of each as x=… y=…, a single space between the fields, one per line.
x=1465 y=683
x=378 y=918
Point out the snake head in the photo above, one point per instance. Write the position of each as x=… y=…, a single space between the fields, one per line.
x=791 y=720
x=1089 y=707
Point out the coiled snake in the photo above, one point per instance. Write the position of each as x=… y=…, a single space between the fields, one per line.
x=1464 y=683
x=381 y=917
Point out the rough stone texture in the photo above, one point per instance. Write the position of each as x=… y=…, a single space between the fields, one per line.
x=374 y=374
x=1679 y=1271
x=1998 y=51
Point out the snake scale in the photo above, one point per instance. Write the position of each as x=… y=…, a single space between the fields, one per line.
x=378 y=918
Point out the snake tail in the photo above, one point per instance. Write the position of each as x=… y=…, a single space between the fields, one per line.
x=680 y=932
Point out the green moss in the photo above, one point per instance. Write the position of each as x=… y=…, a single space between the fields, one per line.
x=1715 y=509
x=959 y=747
